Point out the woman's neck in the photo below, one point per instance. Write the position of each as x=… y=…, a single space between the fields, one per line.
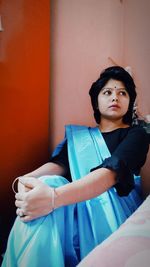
x=108 y=126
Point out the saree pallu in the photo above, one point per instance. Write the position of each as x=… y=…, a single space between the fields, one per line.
x=65 y=236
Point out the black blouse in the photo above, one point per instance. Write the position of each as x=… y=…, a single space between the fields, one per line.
x=128 y=148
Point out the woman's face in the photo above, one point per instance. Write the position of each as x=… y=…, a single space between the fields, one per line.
x=113 y=100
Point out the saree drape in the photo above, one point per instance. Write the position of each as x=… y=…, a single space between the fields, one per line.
x=68 y=234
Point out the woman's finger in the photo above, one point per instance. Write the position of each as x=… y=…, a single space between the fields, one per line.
x=17 y=211
x=21 y=195
x=29 y=182
x=32 y=215
x=21 y=213
x=19 y=204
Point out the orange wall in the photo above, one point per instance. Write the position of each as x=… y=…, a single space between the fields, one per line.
x=24 y=90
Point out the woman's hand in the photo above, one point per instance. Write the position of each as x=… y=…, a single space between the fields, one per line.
x=34 y=202
x=23 y=188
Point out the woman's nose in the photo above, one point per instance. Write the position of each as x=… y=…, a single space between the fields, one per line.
x=115 y=98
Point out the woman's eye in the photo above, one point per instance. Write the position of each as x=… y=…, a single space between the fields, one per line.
x=123 y=93
x=108 y=92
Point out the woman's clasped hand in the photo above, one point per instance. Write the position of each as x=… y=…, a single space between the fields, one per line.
x=34 y=199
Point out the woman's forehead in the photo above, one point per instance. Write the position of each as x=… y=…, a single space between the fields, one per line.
x=114 y=84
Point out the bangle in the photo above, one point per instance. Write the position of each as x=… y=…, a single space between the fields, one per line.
x=13 y=185
x=53 y=198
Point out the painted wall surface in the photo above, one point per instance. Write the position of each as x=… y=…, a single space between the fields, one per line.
x=24 y=93
x=83 y=35
x=137 y=47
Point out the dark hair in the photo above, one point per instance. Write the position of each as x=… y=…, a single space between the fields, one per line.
x=116 y=73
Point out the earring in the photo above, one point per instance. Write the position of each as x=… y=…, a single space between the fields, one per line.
x=134 y=114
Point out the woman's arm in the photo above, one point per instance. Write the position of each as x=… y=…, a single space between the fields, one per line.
x=90 y=186
x=93 y=184
x=49 y=168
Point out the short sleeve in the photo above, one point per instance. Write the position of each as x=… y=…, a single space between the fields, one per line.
x=125 y=178
x=133 y=149
x=127 y=159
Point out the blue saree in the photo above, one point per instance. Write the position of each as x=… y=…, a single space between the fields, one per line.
x=65 y=236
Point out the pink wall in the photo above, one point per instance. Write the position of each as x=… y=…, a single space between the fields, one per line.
x=137 y=47
x=84 y=34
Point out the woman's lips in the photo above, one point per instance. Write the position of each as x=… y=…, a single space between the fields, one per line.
x=114 y=106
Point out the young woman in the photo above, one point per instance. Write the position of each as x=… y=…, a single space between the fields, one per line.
x=90 y=186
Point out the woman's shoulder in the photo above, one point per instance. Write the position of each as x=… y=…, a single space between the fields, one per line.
x=133 y=134
x=137 y=135
x=137 y=129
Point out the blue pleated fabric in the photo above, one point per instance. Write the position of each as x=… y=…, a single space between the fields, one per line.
x=68 y=234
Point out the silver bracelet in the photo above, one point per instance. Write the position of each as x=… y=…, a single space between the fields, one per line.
x=13 y=185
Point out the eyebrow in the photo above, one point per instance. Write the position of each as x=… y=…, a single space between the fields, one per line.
x=111 y=88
